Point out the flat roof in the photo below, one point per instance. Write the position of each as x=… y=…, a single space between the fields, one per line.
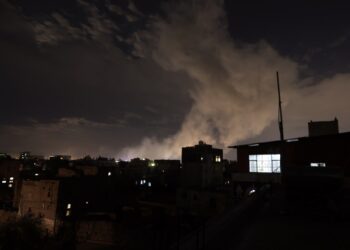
x=291 y=140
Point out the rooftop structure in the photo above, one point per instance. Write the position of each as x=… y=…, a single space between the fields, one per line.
x=323 y=127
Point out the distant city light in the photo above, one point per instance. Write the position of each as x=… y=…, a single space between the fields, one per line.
x=292 y=140
x=69 y=206
x=11 y=178
x=149 y=184
x=86 y=202
x=36 y=174
x=3 y=181
x=318 y=164
x=10 y=185
x=109 y=173
x=252 y=191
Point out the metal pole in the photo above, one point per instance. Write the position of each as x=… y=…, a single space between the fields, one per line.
x=280 y=117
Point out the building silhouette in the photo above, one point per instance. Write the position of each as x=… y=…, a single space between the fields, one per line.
x=202 y=166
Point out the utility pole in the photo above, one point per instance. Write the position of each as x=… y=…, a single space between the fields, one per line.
x=280 y=117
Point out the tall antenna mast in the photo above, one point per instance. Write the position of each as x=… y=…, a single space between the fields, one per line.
x=280 y=117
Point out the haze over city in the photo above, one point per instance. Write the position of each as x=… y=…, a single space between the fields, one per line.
x=174 y=124
x=145 y=78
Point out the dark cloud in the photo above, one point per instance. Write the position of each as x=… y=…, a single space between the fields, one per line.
x=46 y=84
x=116 y=81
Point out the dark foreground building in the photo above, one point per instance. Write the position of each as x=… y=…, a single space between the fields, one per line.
x=201 y=166
x=318 y=162
x=327 y=151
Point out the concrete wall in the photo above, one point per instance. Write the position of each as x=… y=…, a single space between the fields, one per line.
x=40 y=197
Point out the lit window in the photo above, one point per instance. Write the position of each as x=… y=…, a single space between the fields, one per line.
x=109 y=173
x=202 y=158
x=149 y=184
x=10 y=185
x=318 y=164
x=86 y=202
x=265 y=163
x=69 y=206
x=11 y=178
x=67 y=213
x=217 y=158
x=3 y=181
x=252 y=191
x=36 y=174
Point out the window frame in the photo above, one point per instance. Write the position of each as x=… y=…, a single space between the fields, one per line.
x=264 y=163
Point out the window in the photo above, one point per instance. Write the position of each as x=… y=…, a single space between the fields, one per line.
x=265 y=163
x=69 y=206
x=318 y=164
x=217 y=158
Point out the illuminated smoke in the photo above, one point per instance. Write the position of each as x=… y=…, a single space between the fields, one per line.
x=234 y=86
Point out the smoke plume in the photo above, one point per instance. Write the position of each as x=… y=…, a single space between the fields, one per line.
x=99 y=81
x=234 y=85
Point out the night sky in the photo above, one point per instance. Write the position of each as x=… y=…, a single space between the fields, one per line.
x=145 y=78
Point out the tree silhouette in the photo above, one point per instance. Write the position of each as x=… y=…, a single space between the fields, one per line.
x=23 y=233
